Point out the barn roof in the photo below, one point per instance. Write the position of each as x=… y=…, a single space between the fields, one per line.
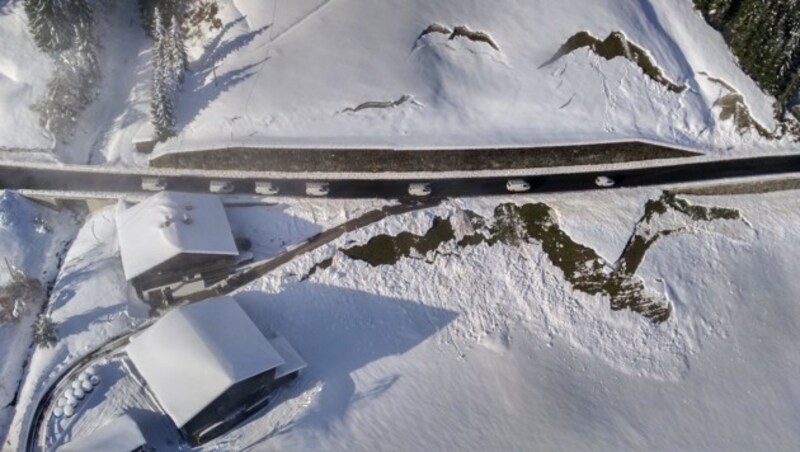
x=168 y=224
x=196 y=352
x=121 y=434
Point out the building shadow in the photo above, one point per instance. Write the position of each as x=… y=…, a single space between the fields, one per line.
x=337 y=331
x=269 y=228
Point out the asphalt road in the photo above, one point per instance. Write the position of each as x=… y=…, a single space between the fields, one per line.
x=76 y=180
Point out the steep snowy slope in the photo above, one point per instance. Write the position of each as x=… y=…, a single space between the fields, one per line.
x=489 y=348
x=33 y=238
x=293 y=72
x=362 y=73
x=23 y=74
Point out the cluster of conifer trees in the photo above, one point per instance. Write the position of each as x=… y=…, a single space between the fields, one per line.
x=64 y=29
x=765 y=37
x=169 y=65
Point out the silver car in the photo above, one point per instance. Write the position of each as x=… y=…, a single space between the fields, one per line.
x=604 y=182
x=221 y=186
x=517 y=186
x=154 y=183
x=317 y=188
x=419 y=189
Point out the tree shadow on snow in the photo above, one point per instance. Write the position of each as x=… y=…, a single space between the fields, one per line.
x=203 y=84
x=338 y=331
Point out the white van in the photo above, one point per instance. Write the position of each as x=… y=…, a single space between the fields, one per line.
x=266 y=188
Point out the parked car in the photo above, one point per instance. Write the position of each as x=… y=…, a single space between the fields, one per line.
x=221 y=186
x=154 y=183
x=266 y=188
x=317 y=189
x=517 y=186
x=604 y=182
x=419 y=189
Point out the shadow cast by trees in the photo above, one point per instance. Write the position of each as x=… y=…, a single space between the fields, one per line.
x=338 y=331
x=203 y=84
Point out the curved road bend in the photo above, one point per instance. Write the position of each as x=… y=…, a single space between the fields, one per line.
x=61 y=179
x=35 y=437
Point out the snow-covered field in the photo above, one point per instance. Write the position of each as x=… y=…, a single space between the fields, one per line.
x=286 y=73
x=490 y=346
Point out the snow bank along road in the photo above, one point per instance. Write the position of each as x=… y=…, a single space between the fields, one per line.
x=73 y=179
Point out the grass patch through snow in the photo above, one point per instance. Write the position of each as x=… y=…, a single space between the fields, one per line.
x=583 y=268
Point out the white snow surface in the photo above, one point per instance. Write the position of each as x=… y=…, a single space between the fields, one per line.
x=90 y=304
x=489 y=348
x=32 y=239
x=120 y=434
x=168 y=224
x=282 y=74
x=196 y=352
x=23 y=74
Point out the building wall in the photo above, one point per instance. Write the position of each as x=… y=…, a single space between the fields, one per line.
x=231 y=408
x=177 y=267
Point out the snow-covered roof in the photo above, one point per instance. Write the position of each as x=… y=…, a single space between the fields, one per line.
x=121 y=434
x=169 y=224
x=293 y=361
x=196 y=352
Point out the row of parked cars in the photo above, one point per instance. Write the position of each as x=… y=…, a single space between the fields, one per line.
x=267 y=188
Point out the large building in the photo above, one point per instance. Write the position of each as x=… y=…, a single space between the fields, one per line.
x=173 y=237
x=209 y=366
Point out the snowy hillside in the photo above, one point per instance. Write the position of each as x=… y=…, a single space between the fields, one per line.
x=287 y=73
x=404 y=74
x=33 y=239
x=470 y=345
x=23 y=74
x=489 y=348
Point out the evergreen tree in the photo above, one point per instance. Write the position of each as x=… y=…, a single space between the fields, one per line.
x=765 y=37
x=65 y=30
x=175 y=57
x=45 y=333
x=163 y=87
x=166 y=9
x=56 y=25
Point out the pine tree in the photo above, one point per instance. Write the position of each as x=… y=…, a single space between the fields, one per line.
x=162 y=111
x=163 y=87
x=176 y=56
x=65 y=30
x=56 y=25
x=165 y=8
x=765 y=37
x=45 y=333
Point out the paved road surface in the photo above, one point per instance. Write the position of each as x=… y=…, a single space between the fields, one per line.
x=669 y=173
